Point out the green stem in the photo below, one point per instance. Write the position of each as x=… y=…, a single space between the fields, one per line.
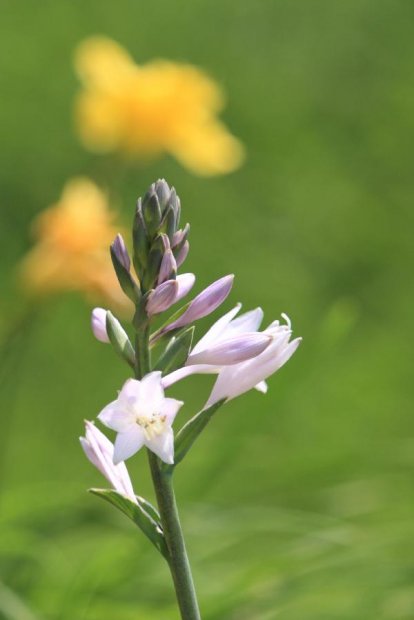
x=164 y=490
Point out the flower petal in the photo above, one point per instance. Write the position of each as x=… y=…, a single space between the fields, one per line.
x=127 y=444
x=170 y=408
x=232 y=350
x=247 y=322
x=151 y=393
x=116 y=417
x=98 y=324
x=216 y=330
x=163 y=445
x=185 y=283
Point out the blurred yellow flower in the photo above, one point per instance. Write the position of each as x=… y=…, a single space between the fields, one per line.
x=160 y=107
x=72 y=249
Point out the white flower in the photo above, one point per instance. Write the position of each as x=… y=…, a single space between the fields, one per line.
x=100 y=452
x=142 y=416
x=237 y=377
x=235 y=380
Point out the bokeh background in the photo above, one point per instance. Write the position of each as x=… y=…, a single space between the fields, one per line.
x=297 y=505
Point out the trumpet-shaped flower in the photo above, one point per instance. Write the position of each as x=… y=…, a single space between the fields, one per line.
x=142 y=416
x=152 y=109
x=232 y=349
x=235 y=380
x=100 y=451
x=71 y=252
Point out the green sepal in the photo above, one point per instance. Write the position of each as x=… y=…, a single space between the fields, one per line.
x=176 y=351
x=141 y=319
x=139 y=515
x=126 y=281
x=187 y=435
x=156 y=336
x=119 y=339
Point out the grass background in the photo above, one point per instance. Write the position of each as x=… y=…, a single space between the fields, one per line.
x=297 y=505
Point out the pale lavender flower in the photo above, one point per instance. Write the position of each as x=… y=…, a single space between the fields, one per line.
x=142 y=416
x=205 y=303
x=121 y=252
x=235 y=380
x=100 y=451
x=98 y=324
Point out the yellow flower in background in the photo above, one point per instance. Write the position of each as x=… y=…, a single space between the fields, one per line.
x=72 y=249
x=152 y=109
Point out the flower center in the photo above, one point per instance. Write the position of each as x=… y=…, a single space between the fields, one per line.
x=152 y=425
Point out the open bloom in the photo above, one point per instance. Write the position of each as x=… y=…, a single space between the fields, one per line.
x=71 y=252
x=142 y=416
x=100 y=452
x=152 y=109
x=231 y=348
x=235 y=380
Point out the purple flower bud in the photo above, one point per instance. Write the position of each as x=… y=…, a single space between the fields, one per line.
x=185 y=283
x=121 y=253
x=168 y=267
x=162 y=297
x=205 y=303
x=182 y=254
x=98 y=324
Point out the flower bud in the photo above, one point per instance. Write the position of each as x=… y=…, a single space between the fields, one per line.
x=161 y=298
x=168 y=267
x=98 y=324
x=163 y=192
x=140 y=241
x=182 y=254
x=121 y=252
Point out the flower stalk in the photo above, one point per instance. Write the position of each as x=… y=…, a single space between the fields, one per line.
x=163 y=485
x=234 y=349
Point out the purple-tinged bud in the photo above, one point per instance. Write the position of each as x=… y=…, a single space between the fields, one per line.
x=205 y=303
x=182 y=254
x=161 y=298
x=98 y=324
x=168 y=267
x=180 y=237
x=232 y=350
x=121 y=252
x=185 y=283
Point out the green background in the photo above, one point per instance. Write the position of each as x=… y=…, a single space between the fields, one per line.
x=297 y=505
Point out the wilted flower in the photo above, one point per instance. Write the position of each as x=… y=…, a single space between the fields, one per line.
x=142 y=415
x=71 y=252
x=100 y=452
x=152 y=109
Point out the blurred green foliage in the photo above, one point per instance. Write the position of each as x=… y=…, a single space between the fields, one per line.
x=297 y=505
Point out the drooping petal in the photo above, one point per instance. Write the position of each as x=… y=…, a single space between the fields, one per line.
x=232 y=350
x=128 y=443
x=163 y=445
x=98 y=324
